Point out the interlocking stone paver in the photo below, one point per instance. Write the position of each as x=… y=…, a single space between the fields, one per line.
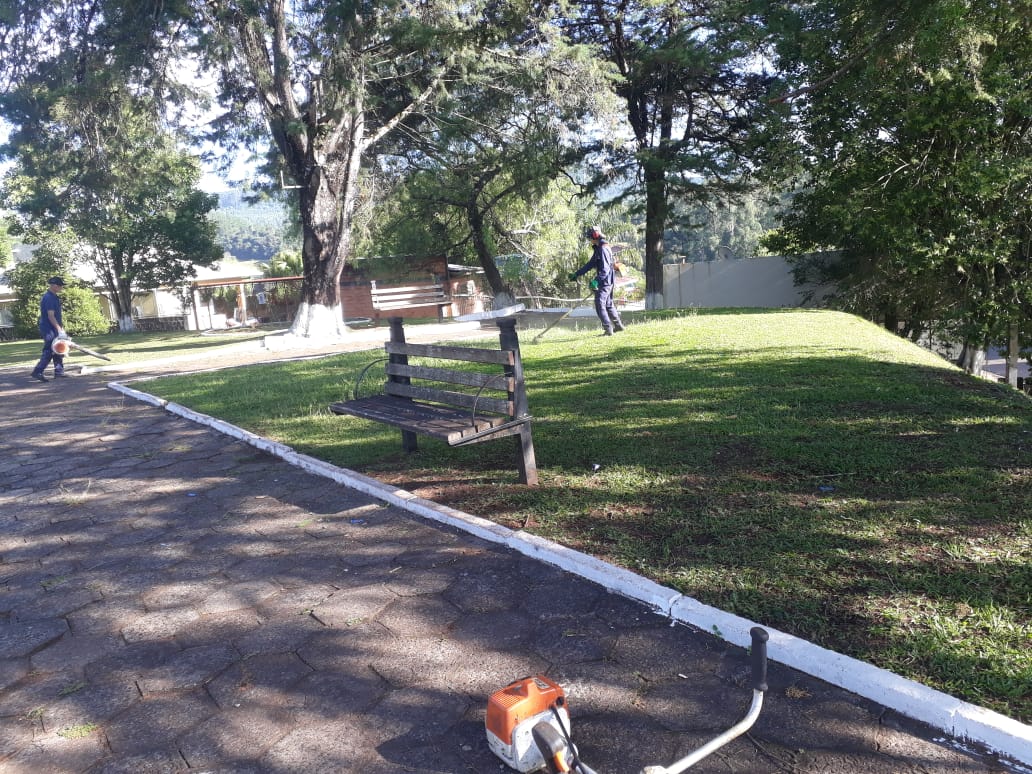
x=190 y=668
x=158 y=721
x=242 y=735
x=12 y=670
x=352 y=606
x=236 y=596
x=430 y=581
x=73 y=652
x=129 y=663
x=23 y=638
x=510 y=629
x=326 y=694
x=56 y=604
x=324 y=747
x=83 y=704
x=28 y=698
x=54 y=752
x=17 y=735
x=410 y=616
x=573 y=639
x=294 y=601
x=350 y=650
x=278 y=636
x=264 y=680
x=152 y=762
x=212 y=629
x=417 y=716
x=168 y=596
x=107 y=616
x=485 y=590
x=186 y=603
x=159 y=625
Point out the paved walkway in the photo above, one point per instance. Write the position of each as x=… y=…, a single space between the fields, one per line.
x=173 y=600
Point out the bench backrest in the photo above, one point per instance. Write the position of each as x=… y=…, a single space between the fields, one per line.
x=485 y=381
x=386 y=299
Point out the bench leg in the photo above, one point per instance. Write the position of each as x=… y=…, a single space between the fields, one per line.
x=525 y=455
x=408 y=441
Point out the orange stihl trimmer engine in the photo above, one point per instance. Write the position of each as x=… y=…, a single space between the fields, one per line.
x=512 y=713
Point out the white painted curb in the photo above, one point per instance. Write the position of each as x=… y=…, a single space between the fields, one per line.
x=958 y=719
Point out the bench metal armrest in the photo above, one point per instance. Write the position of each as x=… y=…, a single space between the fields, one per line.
x=362 y=373
x=484 y=386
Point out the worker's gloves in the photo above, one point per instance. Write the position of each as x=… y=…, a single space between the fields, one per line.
x=593 y=285
x=572 y=277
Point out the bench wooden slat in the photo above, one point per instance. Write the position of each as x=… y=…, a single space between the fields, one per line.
x=408 y=297
x=467 y=354
x=498 y=382
x=389 y=307
x=451 y=425
x=465 y=400
x=410 y=300
x=408 y=288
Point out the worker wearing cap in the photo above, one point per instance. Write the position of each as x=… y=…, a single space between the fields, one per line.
x=605 y=280
x=50 y=328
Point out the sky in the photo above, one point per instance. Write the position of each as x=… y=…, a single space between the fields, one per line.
x=240 y=171
x=211 y=181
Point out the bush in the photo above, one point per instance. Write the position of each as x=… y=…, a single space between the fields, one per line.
x=81 y=313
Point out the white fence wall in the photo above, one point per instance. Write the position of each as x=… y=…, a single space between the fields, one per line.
x=734 y=282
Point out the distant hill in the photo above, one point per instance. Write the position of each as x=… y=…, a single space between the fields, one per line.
x=250 y=232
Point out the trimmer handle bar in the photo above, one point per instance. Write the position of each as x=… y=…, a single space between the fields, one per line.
x=555 y=749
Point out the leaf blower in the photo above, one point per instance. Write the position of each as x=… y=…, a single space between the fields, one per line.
x=63 y=344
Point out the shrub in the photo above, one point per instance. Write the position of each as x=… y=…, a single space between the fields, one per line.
x=81 y=313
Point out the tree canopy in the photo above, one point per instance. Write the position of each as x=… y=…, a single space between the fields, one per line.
x=696 y=87
x=904 y=131
x=6 y=248
x=92 y=151
x=121 y=185
x=331 y=82
x=916 y=147
x=466 y=178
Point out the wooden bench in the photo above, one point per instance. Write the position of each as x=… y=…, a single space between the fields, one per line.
x=393 y=299
x=482 y=401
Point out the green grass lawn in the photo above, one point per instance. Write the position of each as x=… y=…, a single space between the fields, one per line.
x=805 y=469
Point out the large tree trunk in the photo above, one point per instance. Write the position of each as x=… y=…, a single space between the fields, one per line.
x=329 y=176
x=323 y=157
x=1013 y=355
x=124 y=306
x=972 y=357
x=110 y=268
x=655 y=224
x=122 y=299
x=325 y=224
x=503 y=295
x=319 y=128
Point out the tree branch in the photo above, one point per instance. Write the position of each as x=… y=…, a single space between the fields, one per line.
x=401 y=115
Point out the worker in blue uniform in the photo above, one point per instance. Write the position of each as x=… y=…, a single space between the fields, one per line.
x=605 y=280
x=50 y=327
